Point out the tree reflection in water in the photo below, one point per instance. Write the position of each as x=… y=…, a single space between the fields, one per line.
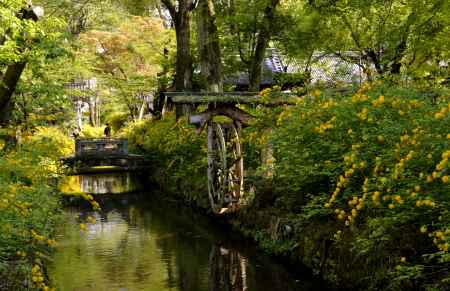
x=227 y=270
x=108 y=183
x=142 y=243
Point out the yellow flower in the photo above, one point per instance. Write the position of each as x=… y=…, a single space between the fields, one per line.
x=391 y=206
x=363 y=114
x=403 y=259
x=445 y=179
x=316 y=93
x=439 y=115
x=423 y=229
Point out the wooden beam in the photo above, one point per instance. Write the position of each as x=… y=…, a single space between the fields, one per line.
x=232 y=112
x=274 y=99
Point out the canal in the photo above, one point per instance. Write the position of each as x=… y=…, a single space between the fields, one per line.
x=138 y=241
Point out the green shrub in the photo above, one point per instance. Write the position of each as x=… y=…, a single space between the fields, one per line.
x=117 y=120
x=92 y=132
x=29 y=207
x=378 y=168
x=177 y=155
x=290 y=80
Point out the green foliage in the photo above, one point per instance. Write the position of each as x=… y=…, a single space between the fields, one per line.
x=92 y=132
x=289 y=80
x=389 y=36
x=117 y=120
x=125 y=60
x=177 y=155
x=378 y=162
x=239 y=25
x=29 y=207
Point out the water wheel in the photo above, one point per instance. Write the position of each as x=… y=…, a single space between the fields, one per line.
x=225 y=166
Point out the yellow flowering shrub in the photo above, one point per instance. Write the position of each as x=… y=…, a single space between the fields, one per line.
x=29 y=207
x=376 y=166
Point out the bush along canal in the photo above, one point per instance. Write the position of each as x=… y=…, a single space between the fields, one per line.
x=138 y=240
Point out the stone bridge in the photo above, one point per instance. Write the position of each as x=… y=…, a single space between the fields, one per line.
x=103 y=155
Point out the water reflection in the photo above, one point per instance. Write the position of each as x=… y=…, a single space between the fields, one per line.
x=111 y=183
x=150 y=245
x=228 y=270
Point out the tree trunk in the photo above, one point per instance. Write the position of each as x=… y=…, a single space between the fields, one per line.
x=375 y=60
x=183 y=79
x=94 y=111
x=142 y=110
x=255 y=73
x=396 y=60
x=159 y=99
x=79 y=109
x=263 y=38
x=9 y=80
x=181 y=16
x=7 y=87
x=209 y=47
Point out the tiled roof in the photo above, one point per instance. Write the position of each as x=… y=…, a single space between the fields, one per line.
x=324 y=68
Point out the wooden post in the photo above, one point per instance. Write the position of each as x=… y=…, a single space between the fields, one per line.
x=211 y=168
x=125 y=146
x=78 y=149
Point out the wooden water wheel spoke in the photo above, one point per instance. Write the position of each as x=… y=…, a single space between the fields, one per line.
x=225 y=166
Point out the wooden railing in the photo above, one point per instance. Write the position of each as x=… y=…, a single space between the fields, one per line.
x=100 y=146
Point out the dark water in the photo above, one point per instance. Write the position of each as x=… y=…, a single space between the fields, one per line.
x=139 y=242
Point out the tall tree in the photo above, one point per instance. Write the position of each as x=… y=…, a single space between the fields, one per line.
x=389 y=36
x=262 y=40
x=125 y=62
x=209 y=46
x=15 y=67
x=247 y=28
x=181 y=13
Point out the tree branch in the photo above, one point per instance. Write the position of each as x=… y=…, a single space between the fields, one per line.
x=171 y=7
x=200 y=120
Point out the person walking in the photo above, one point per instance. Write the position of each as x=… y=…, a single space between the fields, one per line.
x=107 y=131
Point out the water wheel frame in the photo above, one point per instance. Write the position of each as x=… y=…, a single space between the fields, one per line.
x=225 y=166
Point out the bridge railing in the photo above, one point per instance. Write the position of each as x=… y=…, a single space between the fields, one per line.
x=100 y=146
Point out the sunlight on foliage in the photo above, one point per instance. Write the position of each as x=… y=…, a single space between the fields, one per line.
x=29 y=207
x=378 y=160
